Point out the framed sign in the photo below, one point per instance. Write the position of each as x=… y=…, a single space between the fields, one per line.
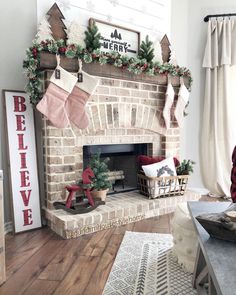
x=117 y=38
x=22 y=161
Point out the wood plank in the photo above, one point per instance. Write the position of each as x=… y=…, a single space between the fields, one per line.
x=59 y=266
x=13 y=242
x=99 y=277
x=97 y=243
x=17 y=258
x=101 y=245
x=145 y=225
x=95 y=238
x=78 y=277
x=122 y=229
x=160 y=224
x=24 y=277
x=40 y=287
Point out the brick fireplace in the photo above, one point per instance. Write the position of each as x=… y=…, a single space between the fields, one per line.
x=124 y=109
x=120 y=112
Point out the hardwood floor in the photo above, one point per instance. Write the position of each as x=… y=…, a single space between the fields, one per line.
x=42 y=263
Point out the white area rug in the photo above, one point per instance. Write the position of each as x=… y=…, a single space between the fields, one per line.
x=144 y=265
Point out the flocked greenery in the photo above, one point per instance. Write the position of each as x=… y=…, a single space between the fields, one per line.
x=185 y=167
x=146 y=50
x=100 y=169
x=88 y=55
x=92 y=38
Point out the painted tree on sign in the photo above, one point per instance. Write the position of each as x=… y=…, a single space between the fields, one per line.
x=75 y=34
x=157 y=52
x=56 y=23
x=44 y=31
x=173 y=59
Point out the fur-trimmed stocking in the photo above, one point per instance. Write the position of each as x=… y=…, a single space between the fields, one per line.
x=75 y=104
x=52 y=105
x=183 y=98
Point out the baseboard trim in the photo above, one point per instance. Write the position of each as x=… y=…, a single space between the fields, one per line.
x=8 y=227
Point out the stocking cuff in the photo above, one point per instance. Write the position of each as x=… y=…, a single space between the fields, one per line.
x=170 y=91
x=67 y=80
x=89 y=83
x=184 y=93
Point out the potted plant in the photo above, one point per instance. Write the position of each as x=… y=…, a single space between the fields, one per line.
x=185 y=167
x=100 y=182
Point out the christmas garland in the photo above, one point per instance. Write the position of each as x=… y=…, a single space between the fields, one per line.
x=137 y=66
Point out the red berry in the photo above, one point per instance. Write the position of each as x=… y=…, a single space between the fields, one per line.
x=34 y=52
x=62 y=49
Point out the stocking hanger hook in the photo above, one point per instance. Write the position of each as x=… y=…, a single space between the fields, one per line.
x=58 y=59
x=80 y=65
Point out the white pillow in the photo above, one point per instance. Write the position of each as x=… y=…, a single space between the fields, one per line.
x=163 y=168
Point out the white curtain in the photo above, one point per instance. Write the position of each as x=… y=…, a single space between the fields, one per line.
x=219 y=110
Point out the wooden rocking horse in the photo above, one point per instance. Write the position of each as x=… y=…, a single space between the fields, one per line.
x=84 y=206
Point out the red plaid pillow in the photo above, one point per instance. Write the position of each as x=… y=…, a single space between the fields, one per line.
x=146 y=160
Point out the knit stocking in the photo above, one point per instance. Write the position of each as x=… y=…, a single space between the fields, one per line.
x=52 y=105
x=75 y=104
x=170 y=94
x=183 y=98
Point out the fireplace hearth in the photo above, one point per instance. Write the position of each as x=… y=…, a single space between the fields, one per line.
x=128 y=207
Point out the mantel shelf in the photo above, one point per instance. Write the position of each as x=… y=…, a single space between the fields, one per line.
x=48 y=62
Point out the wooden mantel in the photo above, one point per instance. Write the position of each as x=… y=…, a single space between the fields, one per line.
x=48 y=62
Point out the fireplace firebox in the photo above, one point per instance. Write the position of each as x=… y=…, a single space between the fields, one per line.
x=122 y=164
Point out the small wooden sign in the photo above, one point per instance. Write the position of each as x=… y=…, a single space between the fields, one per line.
x=23 y=161
x=117 y=38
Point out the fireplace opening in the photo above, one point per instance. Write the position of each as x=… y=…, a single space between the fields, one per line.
x=122 y=166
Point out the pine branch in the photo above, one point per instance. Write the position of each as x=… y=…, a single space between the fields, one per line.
x=146 y=50
x=92 y=38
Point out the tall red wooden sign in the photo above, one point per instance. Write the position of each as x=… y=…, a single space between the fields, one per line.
x=23 y=161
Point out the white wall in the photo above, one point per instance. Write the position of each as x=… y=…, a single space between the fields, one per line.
x=150 y=17
x=188 y=32
x=18 y=26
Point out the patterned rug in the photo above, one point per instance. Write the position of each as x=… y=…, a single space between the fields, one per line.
x=144 y=265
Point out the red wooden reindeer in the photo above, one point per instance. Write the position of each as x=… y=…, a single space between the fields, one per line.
x=72 y=189
x=86 y=188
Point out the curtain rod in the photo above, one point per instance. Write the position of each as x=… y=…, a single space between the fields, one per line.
x=206 y=18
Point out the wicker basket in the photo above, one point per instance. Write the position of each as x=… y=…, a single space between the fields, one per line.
x=158 y=187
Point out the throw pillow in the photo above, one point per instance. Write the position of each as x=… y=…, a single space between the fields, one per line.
x=163 y=168
x=146 y=160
